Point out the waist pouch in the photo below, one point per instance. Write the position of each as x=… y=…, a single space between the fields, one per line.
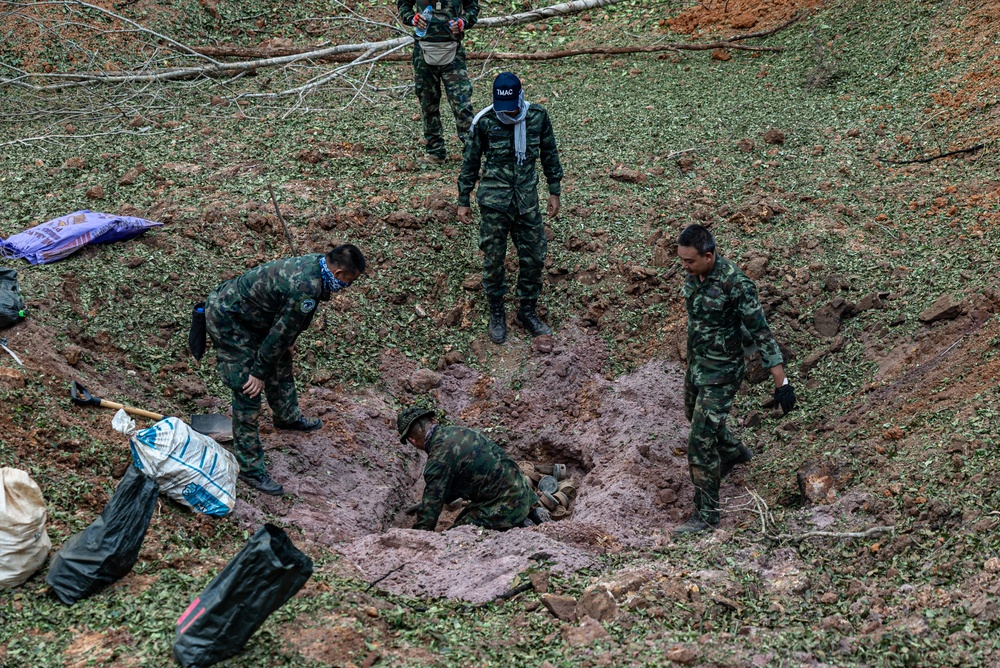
x=439 y=54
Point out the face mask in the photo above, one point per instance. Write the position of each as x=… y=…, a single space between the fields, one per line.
x=336 y=284
x=330 y=282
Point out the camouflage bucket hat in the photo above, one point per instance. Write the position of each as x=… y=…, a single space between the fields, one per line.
x=407 y=417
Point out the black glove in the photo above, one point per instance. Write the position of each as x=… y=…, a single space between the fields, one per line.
x=784 y=396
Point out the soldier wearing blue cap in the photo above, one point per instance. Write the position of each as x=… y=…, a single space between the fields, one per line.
x=506 y=139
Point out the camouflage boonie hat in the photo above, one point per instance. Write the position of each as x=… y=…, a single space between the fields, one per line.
x=407 y=417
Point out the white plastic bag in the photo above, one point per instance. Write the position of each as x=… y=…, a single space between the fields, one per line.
x=24 y=543
x=190 y=468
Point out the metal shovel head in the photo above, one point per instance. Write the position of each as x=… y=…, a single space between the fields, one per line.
x=79 y=394
x=219 y=427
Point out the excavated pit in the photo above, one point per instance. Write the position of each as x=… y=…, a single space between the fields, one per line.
x=623 y=441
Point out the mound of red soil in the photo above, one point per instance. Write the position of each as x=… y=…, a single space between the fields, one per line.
x=736 y=15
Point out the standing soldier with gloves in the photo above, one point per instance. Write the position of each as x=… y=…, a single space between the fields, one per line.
x=721 y=303
x=506 y=139
x=464 y=464
x=438 y=56
x=253 y=321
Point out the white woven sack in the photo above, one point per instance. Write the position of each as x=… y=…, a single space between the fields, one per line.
x=191 y=468
x=24 y=543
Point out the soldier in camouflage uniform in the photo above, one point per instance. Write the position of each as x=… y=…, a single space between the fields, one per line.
x=511 y=135
x=445 y=30
x=722 y=307
x=253 y=321
x=464 y=464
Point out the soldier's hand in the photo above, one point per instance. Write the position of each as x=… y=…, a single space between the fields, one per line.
x=457 y=26
x=553 y=207
x=784 y=396
x=465 y=214
x=253 y=386
x=420 y=21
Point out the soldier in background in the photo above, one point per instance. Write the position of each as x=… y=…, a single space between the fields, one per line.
x=505 y=141
x=253 y=321
x=721 y=302
x=464 y=464
x=439 y=57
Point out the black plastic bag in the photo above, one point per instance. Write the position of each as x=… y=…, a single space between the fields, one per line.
x=11 y=305
x=107 y=550
x=196 y=337
x=267 y=572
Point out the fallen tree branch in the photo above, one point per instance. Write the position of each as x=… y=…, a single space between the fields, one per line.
x=971 y=149
x=510 y=593
x=272 y=52
x=375 y=582
x=215 y=68
x=798 y=538
x=284 y=227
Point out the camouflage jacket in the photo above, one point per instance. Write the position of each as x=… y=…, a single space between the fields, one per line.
x=464 y=464
x=504 y=182
x=719 y=309
x=273 y=303
x=444 y=11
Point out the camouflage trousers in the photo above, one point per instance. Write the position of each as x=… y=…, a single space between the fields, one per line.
x=428 y=80
x=235 y=350
x=710 y=443
x=527 y=231
x=499 y=515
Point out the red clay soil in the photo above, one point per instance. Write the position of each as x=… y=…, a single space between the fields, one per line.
x=622 y=440
x=724 y=16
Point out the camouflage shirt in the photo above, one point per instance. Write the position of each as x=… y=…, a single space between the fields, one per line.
x=719 y=308
x=444 y=12
x=274 y=302
x=504 y=182
x=464 y=464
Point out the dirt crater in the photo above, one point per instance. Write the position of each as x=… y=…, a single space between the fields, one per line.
x=623 y=440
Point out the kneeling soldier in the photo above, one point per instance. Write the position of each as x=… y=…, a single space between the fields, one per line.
x=464 y=464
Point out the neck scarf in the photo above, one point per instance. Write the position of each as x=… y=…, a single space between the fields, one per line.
x=330 y=282
x=520 y=131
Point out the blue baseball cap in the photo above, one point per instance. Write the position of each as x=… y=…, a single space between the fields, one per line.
x=506 y=91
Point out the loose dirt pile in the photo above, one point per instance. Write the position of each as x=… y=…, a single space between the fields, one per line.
x=463 y=563
x=624 y=441
x=741 y=15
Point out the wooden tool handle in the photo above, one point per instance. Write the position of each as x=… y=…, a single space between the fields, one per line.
x=129 y=409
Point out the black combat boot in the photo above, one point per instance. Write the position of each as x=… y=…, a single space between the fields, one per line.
x=302 y=424
x=263 y=482
x=528 y=318
x=695 y=524
x=498 y=320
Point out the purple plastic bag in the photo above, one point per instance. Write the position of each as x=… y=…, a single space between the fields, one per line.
x=61 y=237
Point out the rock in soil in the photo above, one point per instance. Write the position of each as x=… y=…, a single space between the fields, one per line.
x=774 y=136
x=542 y=344
x=424 y=380
x=598 y=604
x=946 y=307
x=561 y=607
x=589 y=631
